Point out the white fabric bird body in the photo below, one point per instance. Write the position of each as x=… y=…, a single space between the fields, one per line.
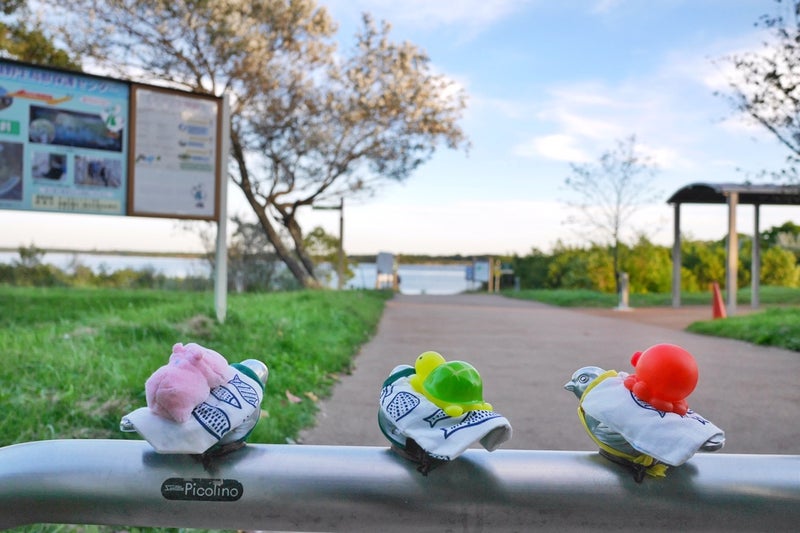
x=218 y=424
x=631 y=431
x=423 y=431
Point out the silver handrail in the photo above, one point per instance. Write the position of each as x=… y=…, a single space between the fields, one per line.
x=334 y=488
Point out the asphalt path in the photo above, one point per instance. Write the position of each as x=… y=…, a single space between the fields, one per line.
x=526 y=352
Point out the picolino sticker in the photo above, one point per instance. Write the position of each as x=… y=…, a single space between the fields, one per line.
x=203 y=490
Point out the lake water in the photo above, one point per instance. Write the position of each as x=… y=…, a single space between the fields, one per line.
x=414 y=279
x=418 y=279
x=172 y=267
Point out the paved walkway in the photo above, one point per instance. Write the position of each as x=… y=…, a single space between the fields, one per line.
x=526 y=351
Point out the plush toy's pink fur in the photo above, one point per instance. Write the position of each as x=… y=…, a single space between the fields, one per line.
x=175 y=389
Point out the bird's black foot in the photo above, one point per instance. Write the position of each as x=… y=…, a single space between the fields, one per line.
x=638 y=470
x=218 y=450
x=414 y=452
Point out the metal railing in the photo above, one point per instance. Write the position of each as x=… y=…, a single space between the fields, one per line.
x=333 y=488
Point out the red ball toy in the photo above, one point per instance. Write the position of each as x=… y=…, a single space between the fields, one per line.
x=665 y=376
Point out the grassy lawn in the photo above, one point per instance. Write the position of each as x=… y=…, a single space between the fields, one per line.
x=589 y=298
x=75 y=360
x=772 y=327
x=778 y=325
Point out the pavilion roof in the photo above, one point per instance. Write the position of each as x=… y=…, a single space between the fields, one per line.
x=749 y=193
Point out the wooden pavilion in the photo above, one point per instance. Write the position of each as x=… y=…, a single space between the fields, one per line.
x=731 y=194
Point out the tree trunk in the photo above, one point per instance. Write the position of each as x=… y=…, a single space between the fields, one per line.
x=297 y=268
x=297 y=236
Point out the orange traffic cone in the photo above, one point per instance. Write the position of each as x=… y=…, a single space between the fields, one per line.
x=718 y=306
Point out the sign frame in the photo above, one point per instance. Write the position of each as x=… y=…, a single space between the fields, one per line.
x=136 y=120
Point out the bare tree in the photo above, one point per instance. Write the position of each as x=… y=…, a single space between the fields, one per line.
x=766 y=85
x=609 y=192
x=309 y=123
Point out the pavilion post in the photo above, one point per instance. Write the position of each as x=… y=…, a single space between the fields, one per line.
x=755 y=267
x=676 y=257
x=732 y=266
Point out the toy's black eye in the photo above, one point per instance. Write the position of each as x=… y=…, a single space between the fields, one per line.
x=583 y=379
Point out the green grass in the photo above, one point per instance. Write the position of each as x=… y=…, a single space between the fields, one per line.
x=75 y=360
x=589 y=298
x=774 y=327
x=778 y=325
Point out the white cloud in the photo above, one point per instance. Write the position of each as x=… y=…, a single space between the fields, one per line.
x=558 y=147
x=579 y=123
x=506 y=108
x=664 y=157
x=744 y=125
x=671 y=109
x=474 y=15
x=711 y=68
x=604 y=6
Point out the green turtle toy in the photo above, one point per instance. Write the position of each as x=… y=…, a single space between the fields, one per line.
x=432 y=412
x=453 y=386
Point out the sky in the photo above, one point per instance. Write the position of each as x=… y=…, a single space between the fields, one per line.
x=548 y=84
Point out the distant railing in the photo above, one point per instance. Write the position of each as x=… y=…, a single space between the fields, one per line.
x=330 y=488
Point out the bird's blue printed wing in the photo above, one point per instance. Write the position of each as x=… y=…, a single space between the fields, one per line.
x=222 y=394
x=402 y=404
x=472 y=418
x=436 y=417
x=247 y=392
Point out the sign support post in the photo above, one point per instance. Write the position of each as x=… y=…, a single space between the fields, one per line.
x=221 y=260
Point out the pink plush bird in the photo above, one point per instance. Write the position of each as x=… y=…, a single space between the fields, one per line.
x=175 y=389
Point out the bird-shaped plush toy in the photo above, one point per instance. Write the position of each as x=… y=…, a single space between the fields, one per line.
x=175 y=389
x=578 y=385
x=199 y=404
x=632 y=431
x=435 y=410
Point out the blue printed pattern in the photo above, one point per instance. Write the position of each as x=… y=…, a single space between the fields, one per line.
x=436 y=417
x=473 y=418
x=689 y=413
x=224 y=395
x=248 y=393
x=645 y=405
x=213 y=419
x=385 y=392
x=402 y=404
x=694 y=416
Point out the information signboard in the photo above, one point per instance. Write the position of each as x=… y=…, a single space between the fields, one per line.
x=481 y=271
x=175 y=154
x=77 y=143
x=63 y=141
